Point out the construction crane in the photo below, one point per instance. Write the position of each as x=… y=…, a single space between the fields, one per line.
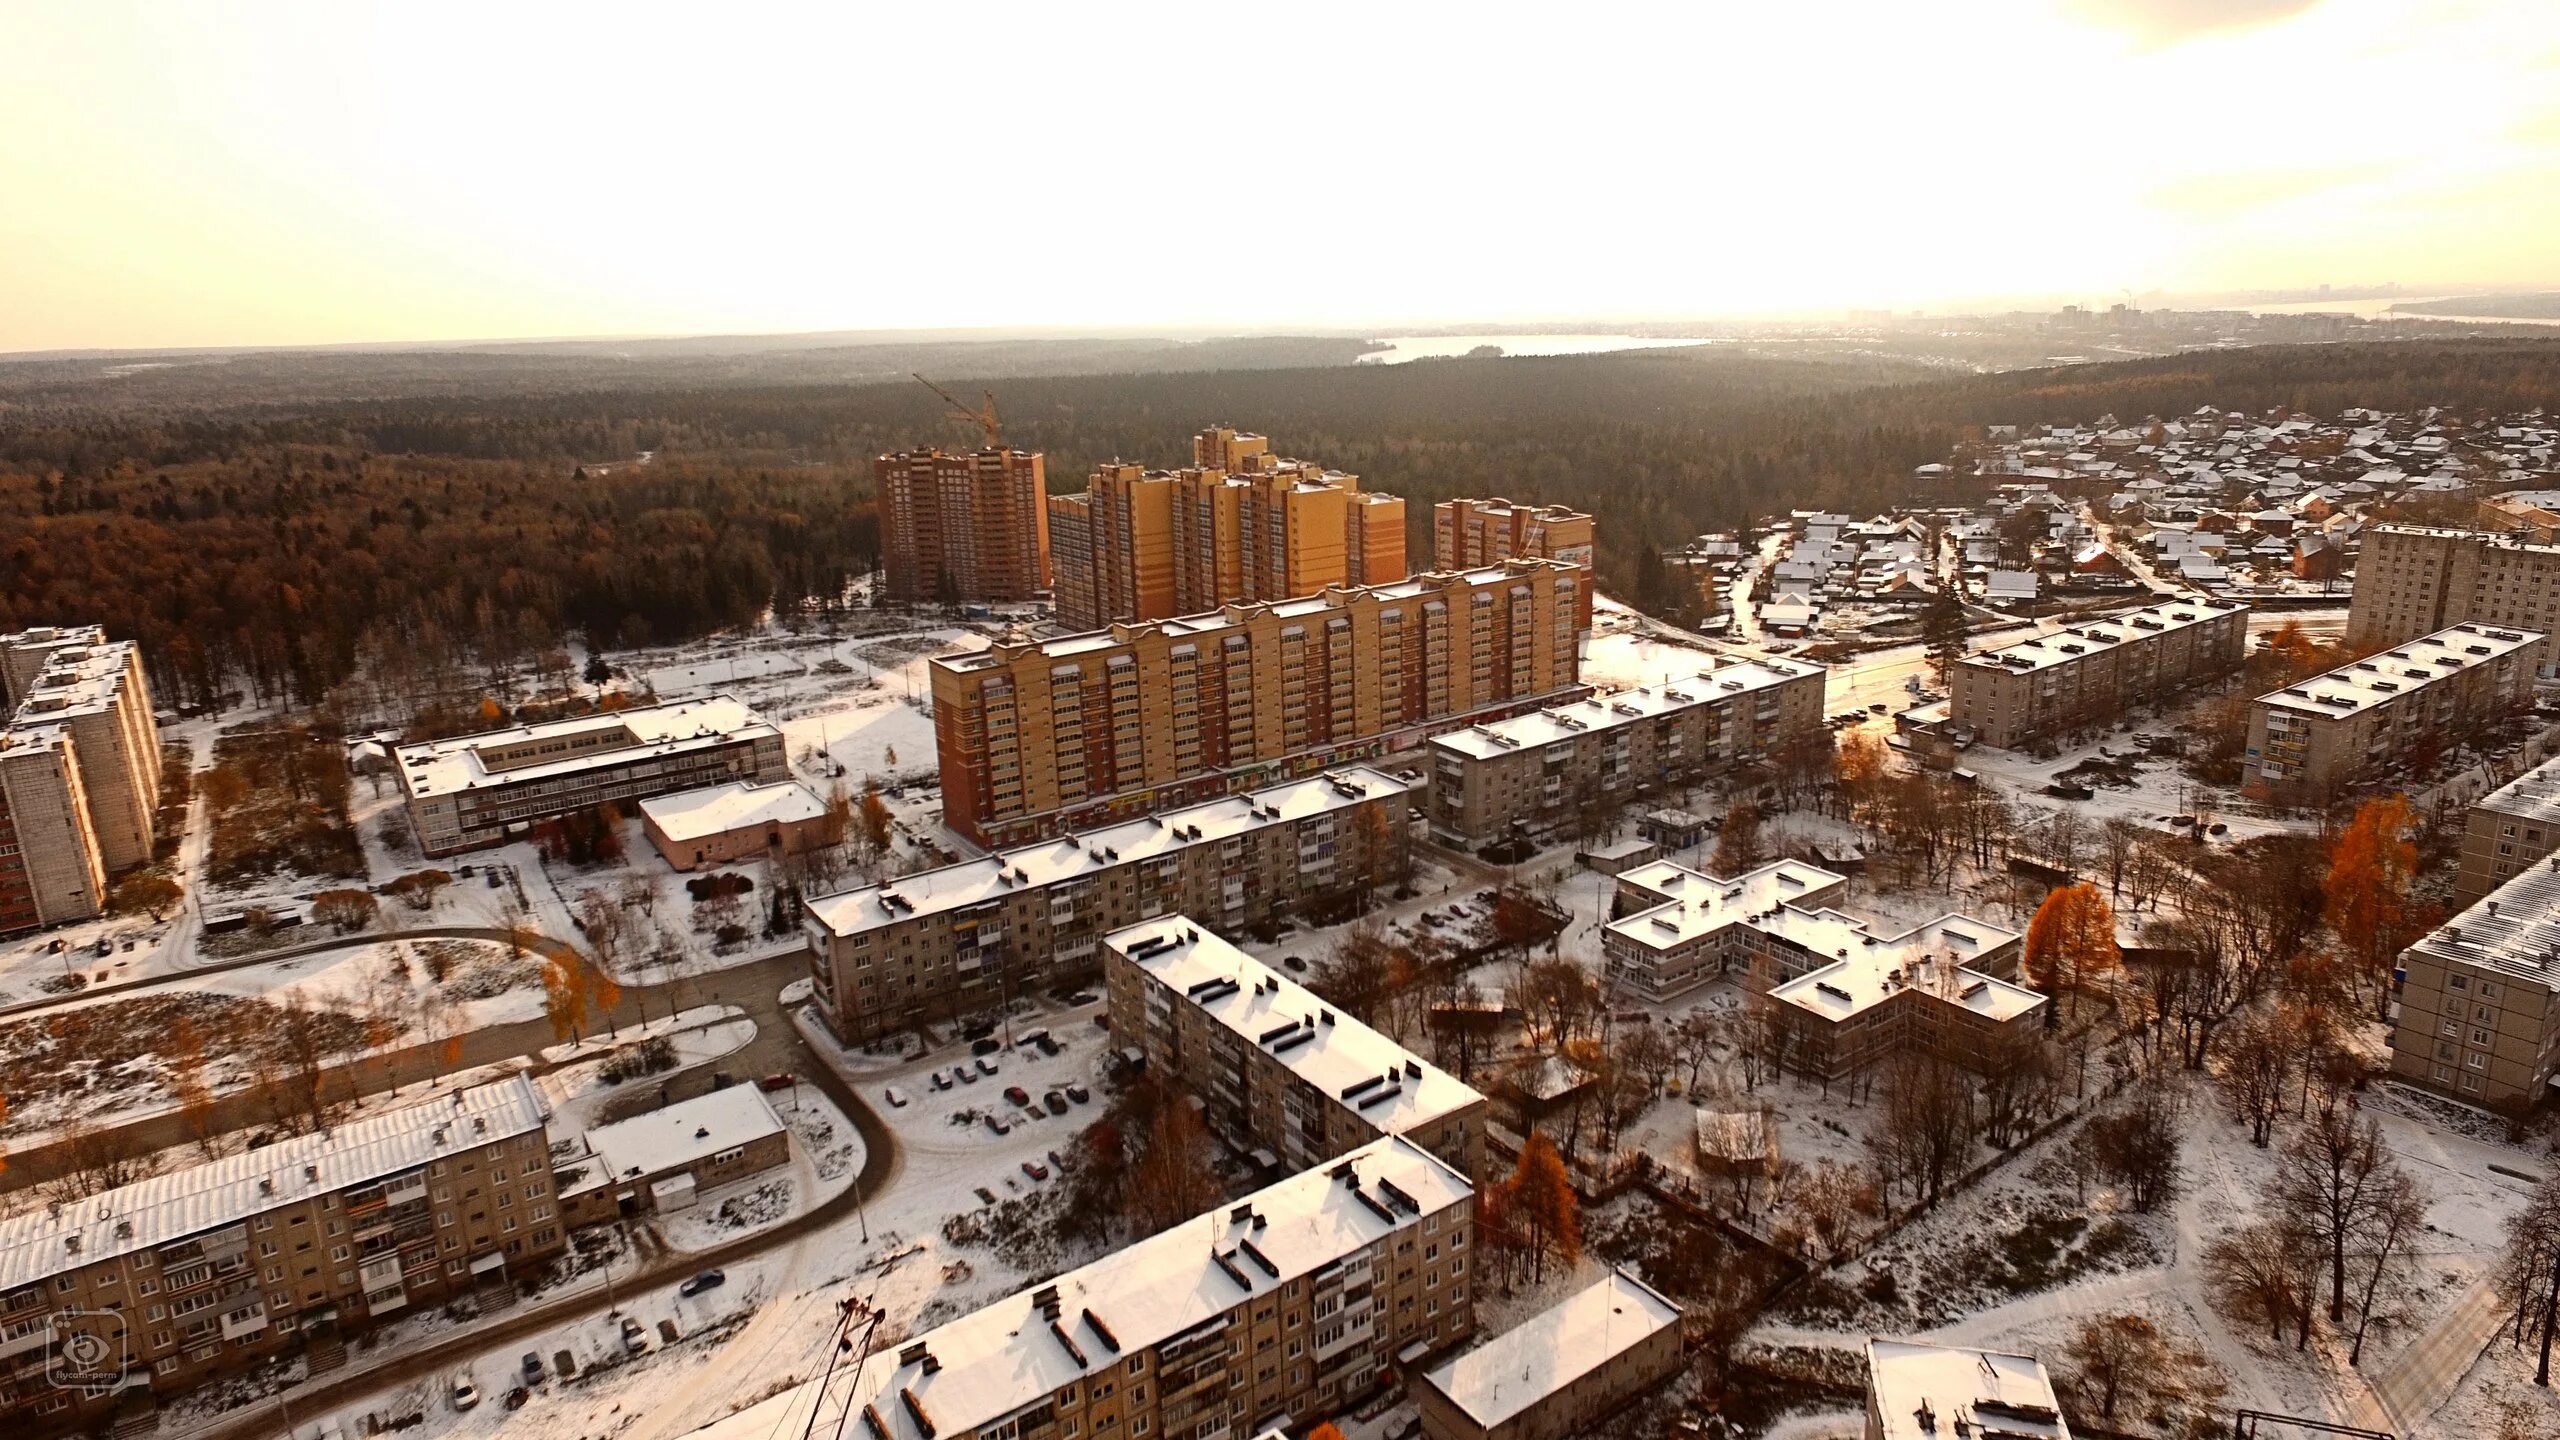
x=984 y=417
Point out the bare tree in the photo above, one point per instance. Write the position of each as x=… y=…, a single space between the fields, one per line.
x=1923 y=1135
x=2336 y=1177
x=2528 y=1274
x=98 y=1158
x=2386 y=1252
x=2252 y=1075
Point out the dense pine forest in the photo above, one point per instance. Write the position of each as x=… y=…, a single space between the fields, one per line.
x=493 y=509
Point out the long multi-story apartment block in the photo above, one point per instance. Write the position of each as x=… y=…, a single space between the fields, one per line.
x=2307 y=740
x=1295 y=1302
x=202 y=1272
x=953 y=941
x=1037 y=736
x=1842 y=994
x=1277 y=1070
x=1241 y=524
x=2414 y=580
x=50 y=870
x=966 y=527
x=1537 y=770
x=1488 y=532
x=97 y=693
x=489 y=788
x=2507 y=832
x=2090 y=674
x=2479 y=996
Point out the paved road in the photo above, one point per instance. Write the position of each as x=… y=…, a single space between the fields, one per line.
x=2422 y=1378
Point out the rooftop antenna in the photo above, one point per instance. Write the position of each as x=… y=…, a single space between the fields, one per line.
x=984 y=417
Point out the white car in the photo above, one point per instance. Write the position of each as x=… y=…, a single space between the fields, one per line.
x=465 y=1394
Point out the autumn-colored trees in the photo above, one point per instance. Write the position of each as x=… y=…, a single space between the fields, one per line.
x=2371 y=866
x=1532 y=1213
x=575 y=994
x=2071 y=944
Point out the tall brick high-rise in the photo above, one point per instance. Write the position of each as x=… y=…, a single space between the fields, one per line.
x=1239 y=524
x=963 y=528
x=1088 y=729
x=1488 y=532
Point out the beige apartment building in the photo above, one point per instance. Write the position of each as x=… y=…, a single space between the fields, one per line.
x=2414 y=580
x=495 y=786
x=1278 y=1072
x=1844 y=994
x=1488 y=532
x=2092 y=674
x=50 y=867
x=2479 y=997
x=1536 y=771
x=216 y=1268
x=1293 y=1304
x=1240 y=524
x=944 y=943
x=2507 y=832
x=1037 y=736
x=97 y=693
x=1559 y=1373
x=964 y=528
x=2307 y=741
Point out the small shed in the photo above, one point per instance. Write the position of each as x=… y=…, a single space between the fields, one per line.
x=1673 y=829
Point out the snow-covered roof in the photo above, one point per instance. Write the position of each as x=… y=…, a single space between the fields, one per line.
x=974 y=1371
x=76 y=680
x=1926 y=1392
x=1692 y=903
x=2079 y=641
x=737 y=805
x=1391 y=1089
x=675 y=1137
x=1867 y=968
x=1607 y=712
x=2377 y=679
x=1070 y=857
x=40 y=1243
x=608 y=737
x=1543 y=1354
x=2533 y=796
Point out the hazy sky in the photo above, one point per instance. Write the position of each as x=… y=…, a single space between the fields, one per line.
x=259 y=173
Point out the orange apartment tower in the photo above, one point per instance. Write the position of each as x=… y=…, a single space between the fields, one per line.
x=1239 y=524
x=963 y=528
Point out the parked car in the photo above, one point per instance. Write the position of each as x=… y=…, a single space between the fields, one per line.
x=996 y=1124
x=465 y=1394
x=985 y=1045
x=1056 y=1102
x=1293 y=962
x=986 y=1196
x=1078 y=1093
x=634 y=1338
x=941 y=1081
x=1017 y=1095
x=964 y=1074
x=532 y=1368
x=778 y=1080
x=896 y=1097
x=707 y=1280
x=516 y=1396
x=1035 y=1169
x=1038 y=1038
x=986 y=1066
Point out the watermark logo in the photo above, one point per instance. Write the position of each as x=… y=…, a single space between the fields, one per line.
x=91 y=1352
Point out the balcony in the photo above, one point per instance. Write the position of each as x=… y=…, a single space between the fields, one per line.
x=244 y=1322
